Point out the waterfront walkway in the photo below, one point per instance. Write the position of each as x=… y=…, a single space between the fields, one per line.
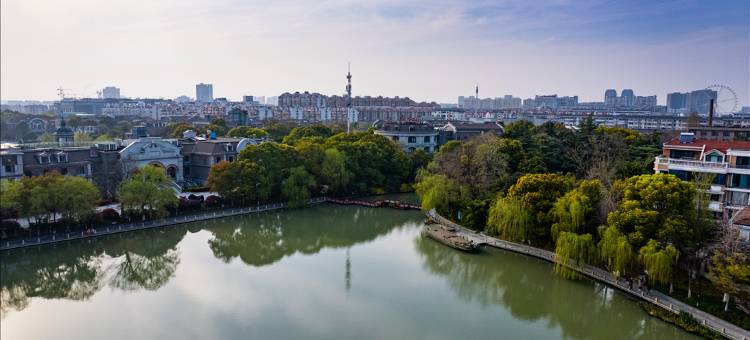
x=673 y=305
x=133 y=226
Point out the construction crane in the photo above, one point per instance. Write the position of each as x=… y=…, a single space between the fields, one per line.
x=61 y=93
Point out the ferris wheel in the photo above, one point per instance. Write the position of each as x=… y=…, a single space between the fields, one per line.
x=726 y=99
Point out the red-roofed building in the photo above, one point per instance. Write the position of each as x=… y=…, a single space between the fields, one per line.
x=728 y=160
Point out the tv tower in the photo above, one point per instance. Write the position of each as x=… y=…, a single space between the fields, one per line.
x=348 y=97
x=476 y=107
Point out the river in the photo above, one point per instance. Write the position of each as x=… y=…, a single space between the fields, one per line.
x=324 y=272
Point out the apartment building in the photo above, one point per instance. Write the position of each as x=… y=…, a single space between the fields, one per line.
x=727 y=160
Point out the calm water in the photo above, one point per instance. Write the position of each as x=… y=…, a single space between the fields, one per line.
x=327 y=272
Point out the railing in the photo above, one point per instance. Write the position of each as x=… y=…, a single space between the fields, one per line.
x=685 y=162
x=133 y=226
x=718 y=325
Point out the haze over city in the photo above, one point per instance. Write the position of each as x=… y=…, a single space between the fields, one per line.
x=427 y=50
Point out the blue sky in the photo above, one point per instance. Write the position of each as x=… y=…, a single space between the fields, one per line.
x=427 y=50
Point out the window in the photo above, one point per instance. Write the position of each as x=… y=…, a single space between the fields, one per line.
x=62 y=158
x=427 y=149
x=395 y=138
x=412 y=139
x=714 y=157
x=231 y=159
x=741 y=181
x=426 y=139
x=218 y=159
x=681 y=154
x=10 y=167
x=186 y=158
x=743 y=162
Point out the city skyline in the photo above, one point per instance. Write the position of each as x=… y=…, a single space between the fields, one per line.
x=424 y=50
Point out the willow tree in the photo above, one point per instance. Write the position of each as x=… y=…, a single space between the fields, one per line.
x=658 y=261
x=573 y=250
x=509 y=219
x=572 y=211
x=437 y=192
x=616 y=251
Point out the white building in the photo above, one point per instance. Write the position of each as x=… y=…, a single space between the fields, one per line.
x=153 y=151
x=410 y=136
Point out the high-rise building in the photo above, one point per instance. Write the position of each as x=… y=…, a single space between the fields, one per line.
x=248 y=99
x=111 y=92
x=676 y=102
x=610 y=97
x=700 y=100
x=204 y=93
x=627 y=98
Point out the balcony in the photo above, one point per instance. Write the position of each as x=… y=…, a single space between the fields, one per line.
x=664 y=164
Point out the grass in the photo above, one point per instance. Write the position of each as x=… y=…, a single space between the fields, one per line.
x=706 y=297
x=683 y=320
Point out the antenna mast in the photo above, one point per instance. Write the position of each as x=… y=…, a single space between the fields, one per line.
x=348 y=98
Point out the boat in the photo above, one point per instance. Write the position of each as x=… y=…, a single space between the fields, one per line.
x=450 y=237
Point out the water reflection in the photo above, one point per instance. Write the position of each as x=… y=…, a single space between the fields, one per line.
x=148 y=259
x=77 y=270
x=265 y=240
x=529 y=291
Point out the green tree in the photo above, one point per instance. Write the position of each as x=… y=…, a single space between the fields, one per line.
x=147 y=192
x=176 y=129
x=573 y=250
x=538 y=194
x=658 y=261
x=298 y=133
x=509 y=219
x=46 y=137
x=572 y=211
x=615 y=250
x=333 y=171
x=729 y=270
x=80 y=198
x=247 y=131
x=277 y=130
x=437 y=192
x=659 y=207
x=296 y=187
x=81 y=137
x=241 y=181
x=103 y=138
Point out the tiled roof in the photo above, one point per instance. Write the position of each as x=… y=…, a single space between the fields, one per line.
x=720 y=145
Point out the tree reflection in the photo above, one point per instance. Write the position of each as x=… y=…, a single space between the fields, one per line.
x=527 y=288
x=77 y=270
x=268 y=238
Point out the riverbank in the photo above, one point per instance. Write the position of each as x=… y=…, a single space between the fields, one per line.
x=133 y=226
x=654 y=297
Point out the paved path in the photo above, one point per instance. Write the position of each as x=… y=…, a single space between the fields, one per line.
x=673 y=305
x=126 y=227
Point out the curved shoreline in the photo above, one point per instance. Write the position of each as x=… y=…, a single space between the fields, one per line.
x=668 y=303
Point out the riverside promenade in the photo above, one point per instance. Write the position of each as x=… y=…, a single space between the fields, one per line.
x=149 y=224
x=720 y=326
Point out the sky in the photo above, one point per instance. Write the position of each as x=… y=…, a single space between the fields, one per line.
x=428 y=50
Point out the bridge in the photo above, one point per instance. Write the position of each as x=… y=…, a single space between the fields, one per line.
x=376 y=204
x=657 y=298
